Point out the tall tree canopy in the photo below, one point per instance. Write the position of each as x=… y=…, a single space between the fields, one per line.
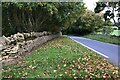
x=34 y=16
x=109 y=14
x=87 y=23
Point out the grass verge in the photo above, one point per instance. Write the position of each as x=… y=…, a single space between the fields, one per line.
x=61 y=58
x=116 y=32
x=104 y=38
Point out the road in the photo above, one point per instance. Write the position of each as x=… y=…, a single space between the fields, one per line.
x=108 y=51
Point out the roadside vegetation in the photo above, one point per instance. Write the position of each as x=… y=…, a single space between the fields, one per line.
x=87 y=23
x=98 y=24
x=108 y=34
x=116 y=33
x=61 y=58
x=104 y=38
x=39 y=16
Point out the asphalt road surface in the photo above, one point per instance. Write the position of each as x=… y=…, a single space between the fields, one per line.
x=108 y=51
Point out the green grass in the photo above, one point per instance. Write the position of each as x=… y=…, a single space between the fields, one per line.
x=104 y=38
x=61 y=58
x=116 y=32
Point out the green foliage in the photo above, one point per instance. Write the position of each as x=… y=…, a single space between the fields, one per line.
x=99 y=7
x=108 y=23
x=87 y=23
x=116 y=33
x=109 y=14
x=107 y=30
x=33 y=16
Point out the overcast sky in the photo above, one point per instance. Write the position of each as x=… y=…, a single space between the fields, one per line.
x=90 y=4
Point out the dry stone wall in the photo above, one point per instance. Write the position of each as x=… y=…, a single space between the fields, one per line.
x=21 y=43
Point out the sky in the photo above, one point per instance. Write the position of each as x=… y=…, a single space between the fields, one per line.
x=90 y=4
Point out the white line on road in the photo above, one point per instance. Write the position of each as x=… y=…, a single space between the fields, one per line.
x=91 y=49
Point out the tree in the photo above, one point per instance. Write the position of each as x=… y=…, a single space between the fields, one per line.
x=41 y=16
x=88 y=22
x=109 y=14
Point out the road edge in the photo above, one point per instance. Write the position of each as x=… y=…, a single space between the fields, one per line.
x=91 y=48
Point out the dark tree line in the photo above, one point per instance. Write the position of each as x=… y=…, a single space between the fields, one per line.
x=87 y=23
x=42 y=16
